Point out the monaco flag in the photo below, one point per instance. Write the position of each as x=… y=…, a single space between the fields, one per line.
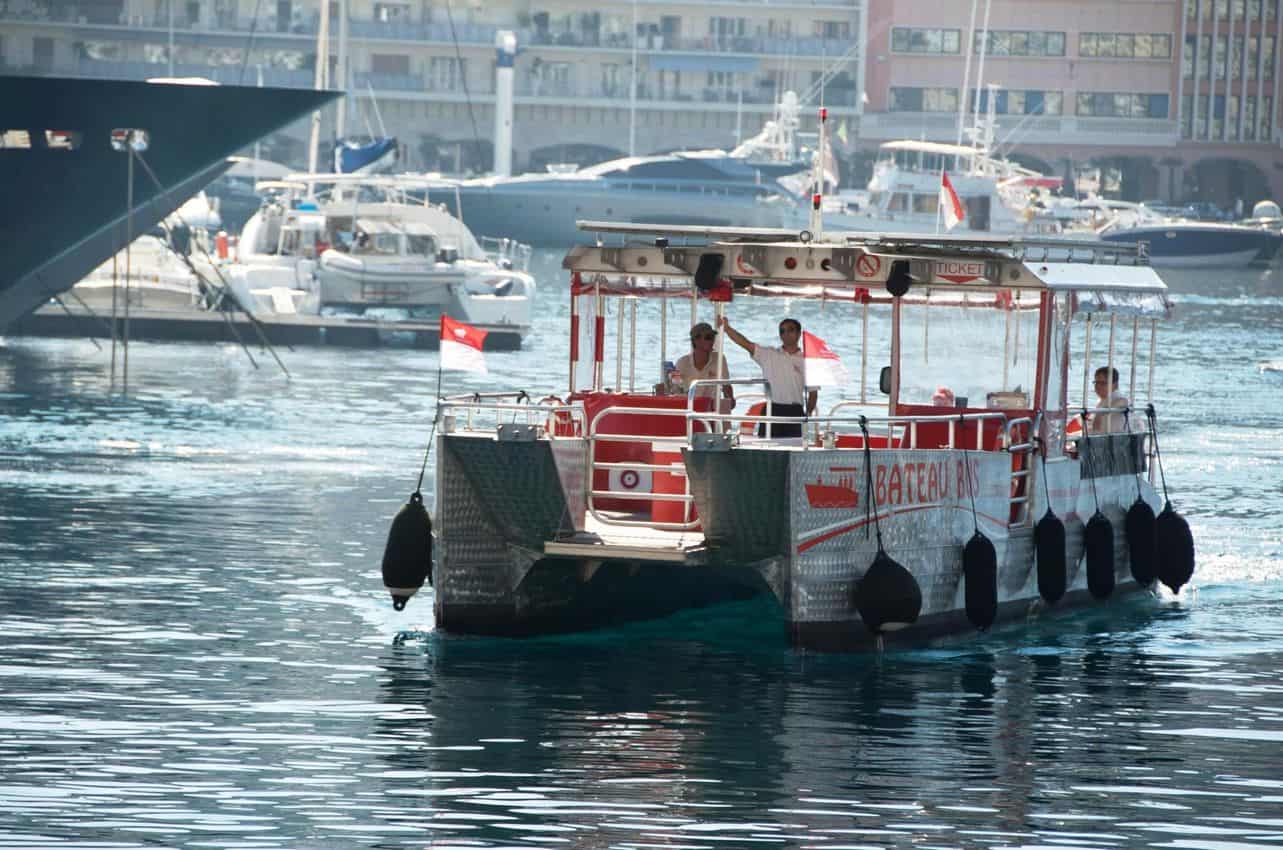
x=461 y=346
x=954 y=212
x=823 y=368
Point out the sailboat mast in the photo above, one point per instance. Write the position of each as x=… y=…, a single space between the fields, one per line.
x=340 y=108
x=321 y=81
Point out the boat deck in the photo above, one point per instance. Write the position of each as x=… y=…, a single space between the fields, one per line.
x=632 y=543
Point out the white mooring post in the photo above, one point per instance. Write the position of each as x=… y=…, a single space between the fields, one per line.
x=505 y=43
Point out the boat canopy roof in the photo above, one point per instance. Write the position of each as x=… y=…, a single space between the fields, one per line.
x=941 y=148
x=1102 y=276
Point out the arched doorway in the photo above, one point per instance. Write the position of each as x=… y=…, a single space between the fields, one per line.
x=1224 y=181
x=1127 y=178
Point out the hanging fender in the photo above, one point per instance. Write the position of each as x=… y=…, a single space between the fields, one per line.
x=1049 y=543
x=1098 y=546
x=980 y=578
x=1174 y=548
x=887 y=596
x=1141 y=542
x=407 y=558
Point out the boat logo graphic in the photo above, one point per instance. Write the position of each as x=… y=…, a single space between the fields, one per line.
x=841 y=494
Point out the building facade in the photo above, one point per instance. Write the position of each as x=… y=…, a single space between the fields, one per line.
x=707 y=73
x=1154 y=99
x=1165 y=99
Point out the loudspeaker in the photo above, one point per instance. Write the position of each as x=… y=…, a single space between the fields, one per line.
x=708 y=271
x=899 y=280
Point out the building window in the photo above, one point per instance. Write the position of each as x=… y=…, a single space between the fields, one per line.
x=1122 y=105
x=1023 y=43
x=1027 y=102
x=1125 y=45
x=917 y=40
x=445 y=73
x=832 y=29
x=905 y=99
x=386 y=13
x=390 y=63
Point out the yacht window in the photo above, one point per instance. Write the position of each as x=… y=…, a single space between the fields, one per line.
x=386 y=243
x=424 y=246
x=62 y=140
x=925 y=203
x=899 y=202
x=15 y=139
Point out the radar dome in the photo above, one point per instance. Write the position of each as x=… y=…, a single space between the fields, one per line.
x=1266 y=209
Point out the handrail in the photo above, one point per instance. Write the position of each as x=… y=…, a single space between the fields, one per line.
x=679 y=442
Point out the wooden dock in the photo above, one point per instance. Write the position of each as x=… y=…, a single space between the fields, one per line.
x=216 y=326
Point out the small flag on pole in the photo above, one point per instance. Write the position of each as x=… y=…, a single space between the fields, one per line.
x=954 y=212
x=461 y=346
x=821 y=364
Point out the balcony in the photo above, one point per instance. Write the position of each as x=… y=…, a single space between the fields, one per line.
x=143 y=27
x=1016 y=130
x=361 y=80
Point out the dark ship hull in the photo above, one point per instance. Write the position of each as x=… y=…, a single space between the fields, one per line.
x=66 y=186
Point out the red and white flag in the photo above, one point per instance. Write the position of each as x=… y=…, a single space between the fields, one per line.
x=821 y=363
x=954 y=212
x=461 y=346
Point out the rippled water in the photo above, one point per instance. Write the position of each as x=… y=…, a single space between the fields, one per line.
x=195 y=649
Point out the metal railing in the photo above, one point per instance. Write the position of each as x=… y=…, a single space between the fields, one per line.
x=508 y=253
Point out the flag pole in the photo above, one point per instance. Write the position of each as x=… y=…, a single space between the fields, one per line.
x=436 y=417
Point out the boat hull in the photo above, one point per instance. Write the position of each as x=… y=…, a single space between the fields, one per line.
x=517 y=555
x=1193 y=245
x=547 y=216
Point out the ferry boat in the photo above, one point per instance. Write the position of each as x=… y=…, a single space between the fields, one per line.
x=891 y=520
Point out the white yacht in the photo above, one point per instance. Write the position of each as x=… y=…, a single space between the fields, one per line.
x=356 y=245
x=160 y=270
x=998 y=195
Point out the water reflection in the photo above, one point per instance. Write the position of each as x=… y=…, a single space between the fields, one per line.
x=195 y=649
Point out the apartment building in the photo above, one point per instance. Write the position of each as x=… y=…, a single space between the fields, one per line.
x=707 y=73
x=1168 y=99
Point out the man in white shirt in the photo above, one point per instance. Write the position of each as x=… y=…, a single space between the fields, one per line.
x=785 y=375
x=1108 y=396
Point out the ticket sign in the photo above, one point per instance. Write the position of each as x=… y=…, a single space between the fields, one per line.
x=964 y=272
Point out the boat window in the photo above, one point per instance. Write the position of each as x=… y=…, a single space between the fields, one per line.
x=386 y=243
x=63 y=140
x=424 y=246
x=15 y=140
x=926 y=203
x=984 y=353
x=676 y=169
x=899 y=202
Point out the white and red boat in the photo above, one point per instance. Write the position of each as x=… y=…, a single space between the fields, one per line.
x=890 y=518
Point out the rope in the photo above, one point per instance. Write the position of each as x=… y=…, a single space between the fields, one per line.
x=1153 y=430
x=869 y=505
x=463 y=79
x=1042 y=454
x=1086 y=453
x=431 y=437
x=966 y=460
x=1127 y=426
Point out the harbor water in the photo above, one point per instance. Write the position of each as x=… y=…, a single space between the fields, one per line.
x=196 y=650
